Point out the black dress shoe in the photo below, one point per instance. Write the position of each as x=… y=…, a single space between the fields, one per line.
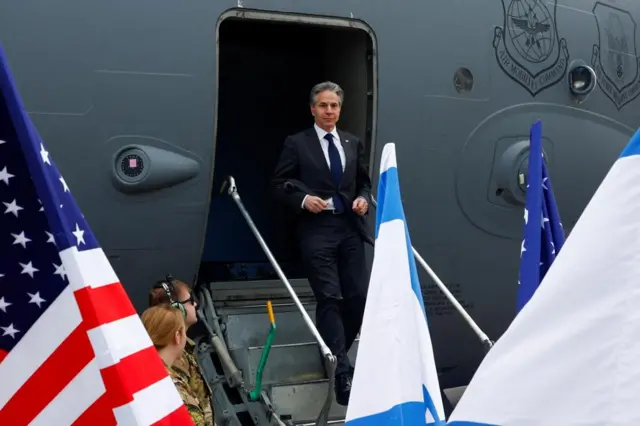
x=343 y=388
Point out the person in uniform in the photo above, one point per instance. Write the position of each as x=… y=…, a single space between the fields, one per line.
x=168 y=332
x=178 y=293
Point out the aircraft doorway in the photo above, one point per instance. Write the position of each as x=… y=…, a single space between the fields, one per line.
x=267 y=65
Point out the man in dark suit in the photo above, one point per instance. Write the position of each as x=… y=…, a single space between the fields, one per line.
x=321 y=176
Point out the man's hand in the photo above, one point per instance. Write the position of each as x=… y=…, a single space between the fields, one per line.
x=360 y=206
x=314 y=204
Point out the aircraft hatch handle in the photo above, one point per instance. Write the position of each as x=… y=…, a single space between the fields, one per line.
x=255 y=394
x=233 y=192
x=488 y=343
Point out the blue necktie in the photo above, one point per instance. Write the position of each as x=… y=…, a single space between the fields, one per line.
x=336 y=171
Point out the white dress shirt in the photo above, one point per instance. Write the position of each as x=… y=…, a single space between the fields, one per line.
x=324 y=144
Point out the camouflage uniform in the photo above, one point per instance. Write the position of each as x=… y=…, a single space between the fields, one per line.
x=190 y=401
x=186 y=375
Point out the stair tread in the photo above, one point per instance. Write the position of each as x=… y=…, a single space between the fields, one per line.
x=287 y=364
x=336 y=422
x=255 y=290
x=304 y=401
x=285 y=345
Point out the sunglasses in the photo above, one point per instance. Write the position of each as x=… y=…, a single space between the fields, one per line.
x=189 y=300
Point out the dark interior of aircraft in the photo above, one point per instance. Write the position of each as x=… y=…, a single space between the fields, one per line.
x=266 y=71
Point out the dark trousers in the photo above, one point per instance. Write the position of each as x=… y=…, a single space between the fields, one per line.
x=334 y=258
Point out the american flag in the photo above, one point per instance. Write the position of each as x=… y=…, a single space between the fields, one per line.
x=543 y=237
x=73 y=350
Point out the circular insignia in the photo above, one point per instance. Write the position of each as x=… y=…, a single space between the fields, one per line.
x=531 y=30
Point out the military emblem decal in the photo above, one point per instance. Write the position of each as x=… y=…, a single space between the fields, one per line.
x=528 y=48
x=614 y=58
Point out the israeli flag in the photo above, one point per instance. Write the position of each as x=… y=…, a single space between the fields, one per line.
x=572 y=354
x=395 y=381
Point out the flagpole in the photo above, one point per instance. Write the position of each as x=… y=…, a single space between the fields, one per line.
x=488 y=343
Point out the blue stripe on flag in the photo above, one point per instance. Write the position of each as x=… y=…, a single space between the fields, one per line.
x=408 y=413
x=392 y=210
x=633 y=148
x=390 y=199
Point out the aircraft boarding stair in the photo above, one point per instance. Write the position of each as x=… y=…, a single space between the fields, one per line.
x=270 y=369
x=294 y=376
x=270 y=364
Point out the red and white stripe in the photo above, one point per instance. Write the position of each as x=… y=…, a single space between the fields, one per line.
x=88 y=360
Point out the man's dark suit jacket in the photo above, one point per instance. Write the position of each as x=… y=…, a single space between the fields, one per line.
x=303 y=169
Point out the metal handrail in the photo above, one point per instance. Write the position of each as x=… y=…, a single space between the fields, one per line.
x=488 y=343
x=329 y=358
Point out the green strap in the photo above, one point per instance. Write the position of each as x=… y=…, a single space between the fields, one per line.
x=254 y=395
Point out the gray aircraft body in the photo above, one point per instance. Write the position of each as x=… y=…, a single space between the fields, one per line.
x=148 y=106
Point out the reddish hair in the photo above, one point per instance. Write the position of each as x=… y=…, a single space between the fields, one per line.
x=162 y=323
x=157 y=296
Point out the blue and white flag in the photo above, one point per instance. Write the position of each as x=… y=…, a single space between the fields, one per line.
x=571 y=356
x=542 y=240
x=395 y=380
